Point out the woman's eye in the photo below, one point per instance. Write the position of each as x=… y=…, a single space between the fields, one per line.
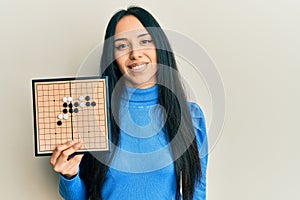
x=121 y=46
x=146 y=41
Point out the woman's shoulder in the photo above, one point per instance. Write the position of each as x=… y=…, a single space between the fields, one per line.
x=195 y=109
x=198 y=121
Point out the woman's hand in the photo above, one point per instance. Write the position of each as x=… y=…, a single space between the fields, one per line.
x=61 y=160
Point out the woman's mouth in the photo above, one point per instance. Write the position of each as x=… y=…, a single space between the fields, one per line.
x=138 y=67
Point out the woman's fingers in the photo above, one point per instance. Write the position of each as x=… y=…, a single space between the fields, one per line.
x=65 y=154
x=70 y=168
x=57 y=151
x=61 y=161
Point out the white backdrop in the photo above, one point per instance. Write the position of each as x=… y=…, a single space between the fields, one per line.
x=255 y=45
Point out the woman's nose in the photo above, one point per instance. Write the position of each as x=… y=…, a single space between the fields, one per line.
x=135 y=54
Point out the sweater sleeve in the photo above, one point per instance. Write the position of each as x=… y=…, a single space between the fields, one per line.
x=72 y=189
x=201 y=136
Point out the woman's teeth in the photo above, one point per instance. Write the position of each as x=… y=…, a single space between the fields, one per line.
x=139 y=66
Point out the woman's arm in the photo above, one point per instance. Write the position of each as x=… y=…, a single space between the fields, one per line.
x=201 y=136
x=70 y=185
x=200 y=188
x=72 y=189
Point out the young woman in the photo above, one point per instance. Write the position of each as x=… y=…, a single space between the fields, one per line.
x=157 y=135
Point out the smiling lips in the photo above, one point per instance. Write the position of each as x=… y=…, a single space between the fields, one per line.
x=137 y=66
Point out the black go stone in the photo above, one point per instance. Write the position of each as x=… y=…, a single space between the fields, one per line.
x=87 y=98
x=87 y=103
x=59 y=123
x=65 y=111
x=71 y=110
x=76 y=104
x=70 y=105
x=76 y=110
x=93 y=103
x=65 y=105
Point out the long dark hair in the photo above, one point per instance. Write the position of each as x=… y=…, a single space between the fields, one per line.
x=171 y=96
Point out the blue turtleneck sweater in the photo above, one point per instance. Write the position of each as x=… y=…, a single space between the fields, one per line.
x=142 y=168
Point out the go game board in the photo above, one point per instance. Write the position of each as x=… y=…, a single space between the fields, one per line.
x=70 y=109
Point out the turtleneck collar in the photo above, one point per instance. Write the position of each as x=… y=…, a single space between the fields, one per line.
x=136 y=96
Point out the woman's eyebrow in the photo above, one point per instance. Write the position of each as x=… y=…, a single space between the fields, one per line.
x=120 y=39
x=143 y=34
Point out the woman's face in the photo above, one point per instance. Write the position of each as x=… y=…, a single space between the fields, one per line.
x=135 y=53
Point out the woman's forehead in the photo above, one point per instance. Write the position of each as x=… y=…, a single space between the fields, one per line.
x=129 y=25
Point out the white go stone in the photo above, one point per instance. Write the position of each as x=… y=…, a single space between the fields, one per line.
x=65 y=99
x=65 y=116
x=70 y=99
x=81 y=104
x=81 y=98
x=60 y=116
